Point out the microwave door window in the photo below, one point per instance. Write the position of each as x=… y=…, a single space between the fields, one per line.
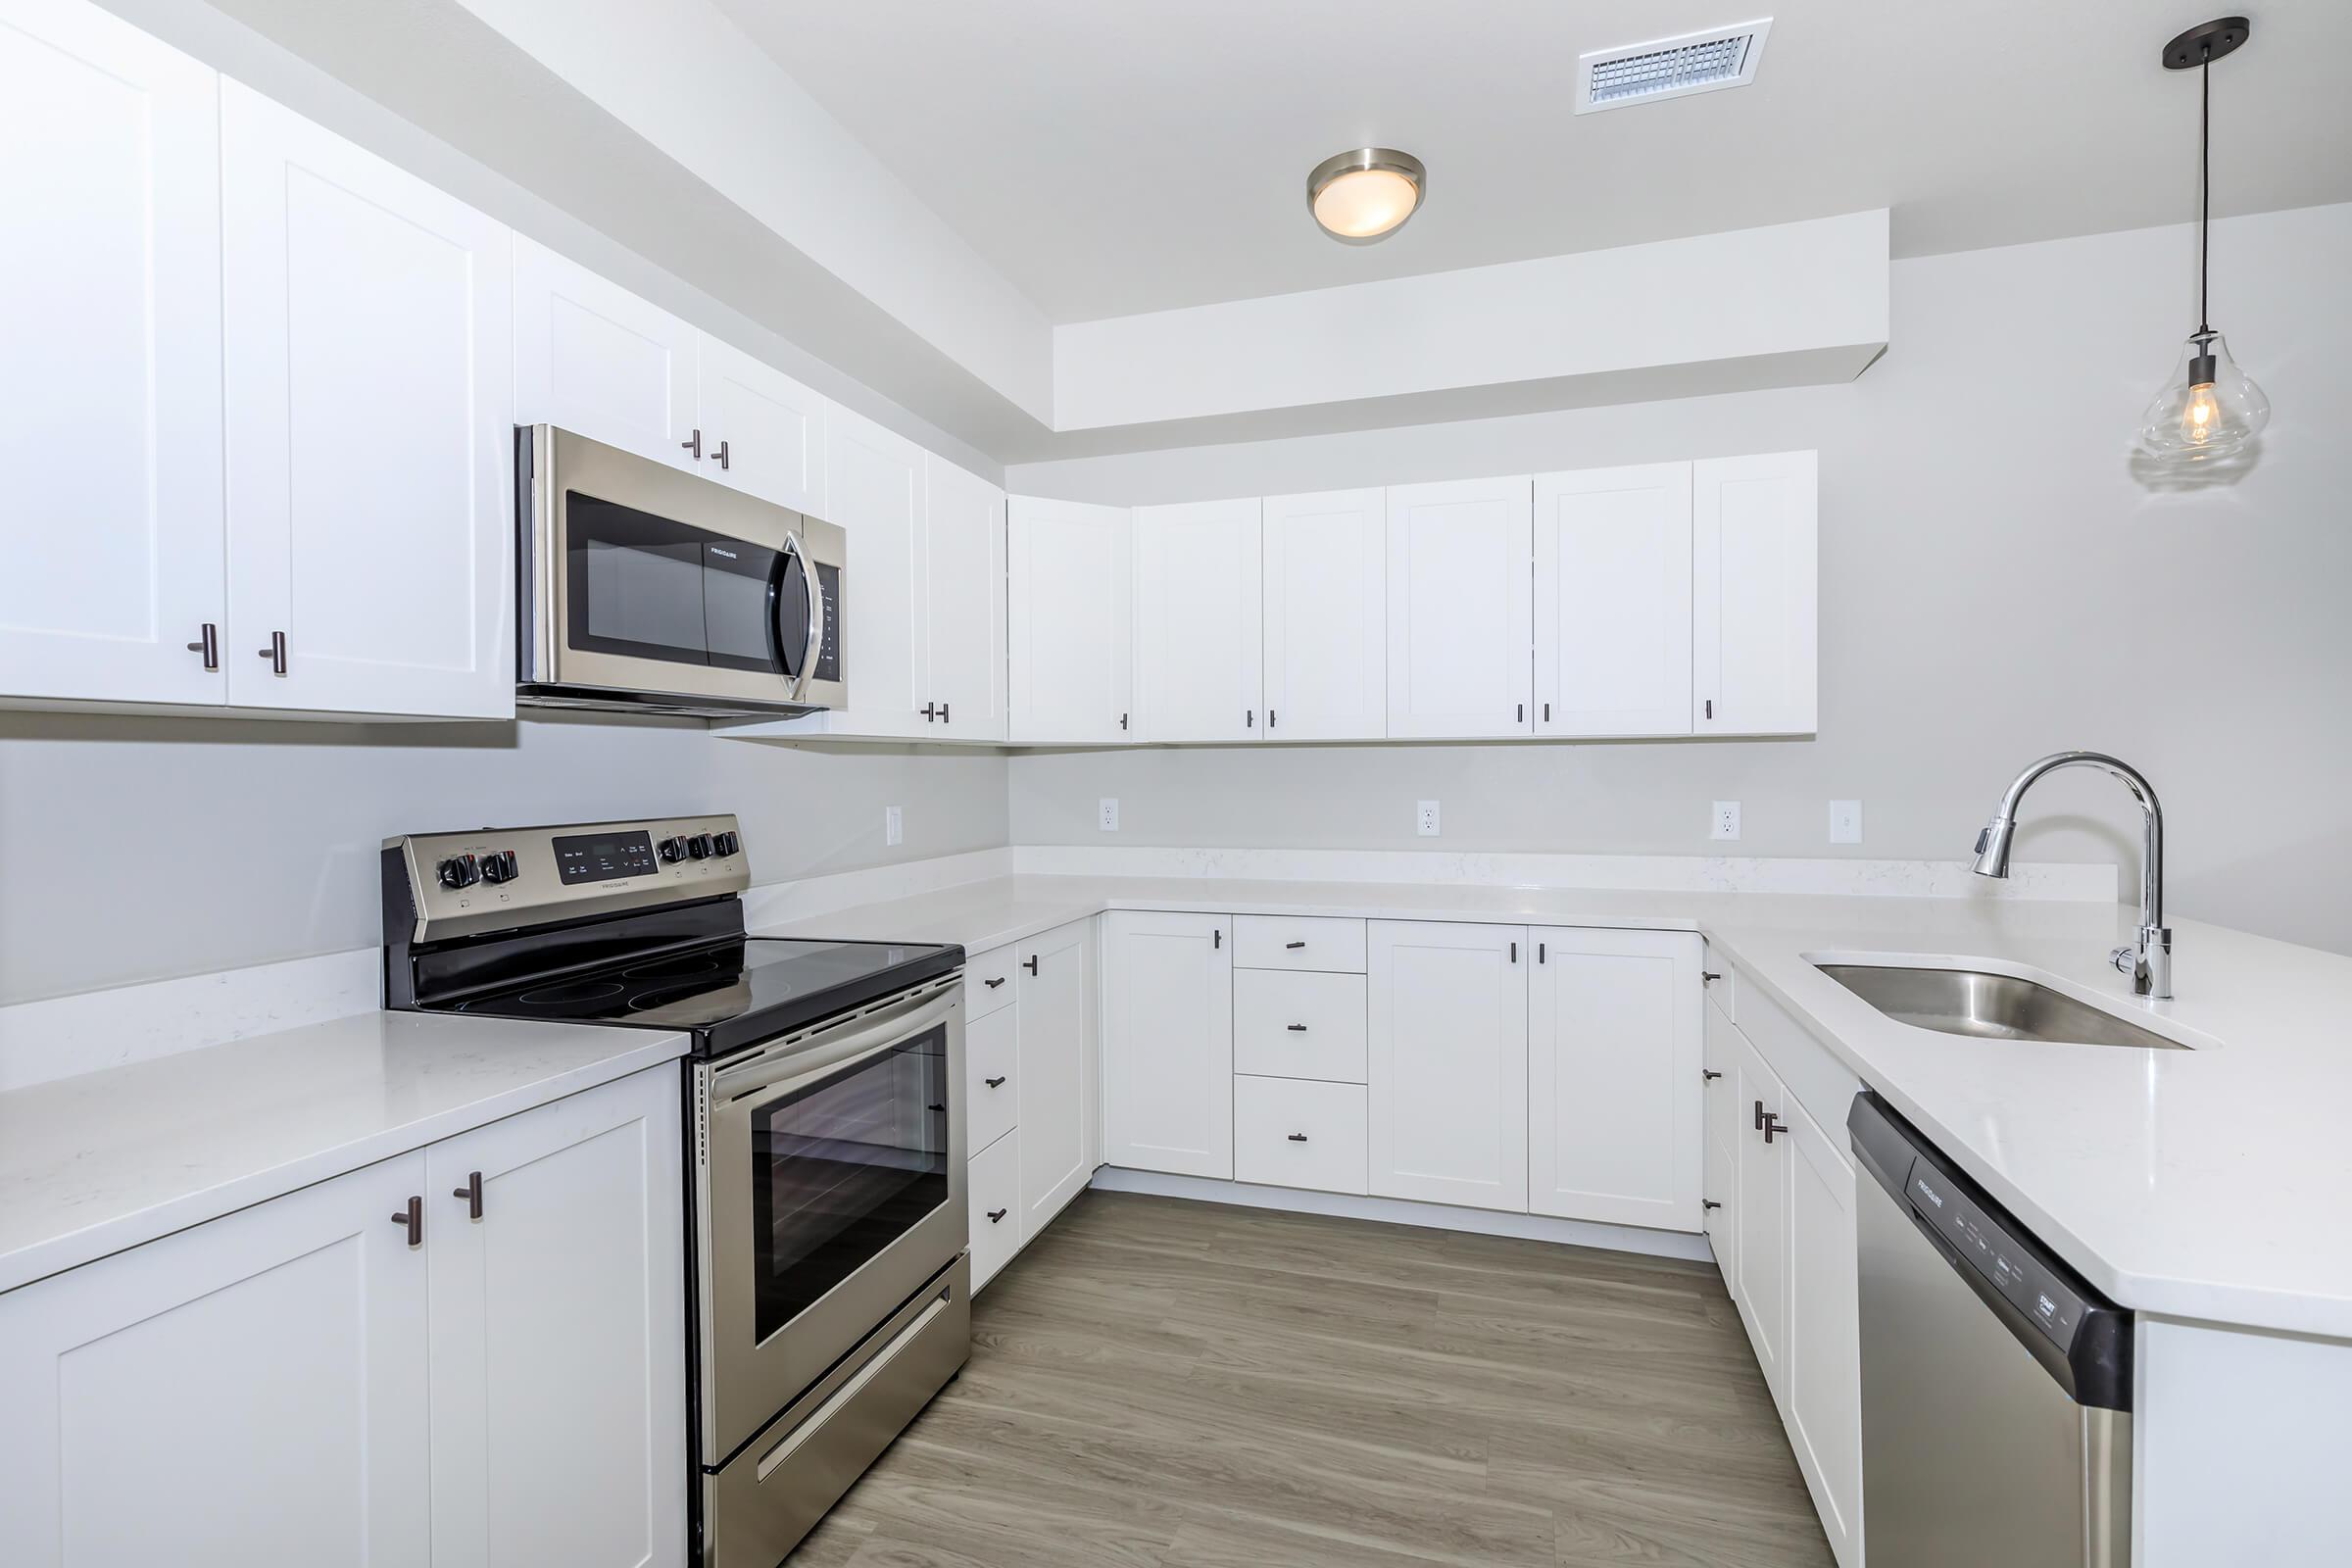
x=636 y=583
x=739 y=591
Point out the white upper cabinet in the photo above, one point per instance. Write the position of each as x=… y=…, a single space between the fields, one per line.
x=1613 y=601
x=110 y=331
x=1460 y=612
x=1756 y=597
x=1326 y=598
x=594 y=358
x=963 y=593
x=1071 y=570
x=371 y=505
x=1167 y=1058
x=1613 y=1058
x=1447 y=1060
x=874 y=479
x=1198 y=671
x=762 y=431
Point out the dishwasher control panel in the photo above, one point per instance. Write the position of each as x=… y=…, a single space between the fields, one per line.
x=2023 y=1281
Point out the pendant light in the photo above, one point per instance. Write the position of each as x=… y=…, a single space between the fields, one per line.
x=2209 y=408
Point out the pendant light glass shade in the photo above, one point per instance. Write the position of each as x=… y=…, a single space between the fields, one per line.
x=2209 y=409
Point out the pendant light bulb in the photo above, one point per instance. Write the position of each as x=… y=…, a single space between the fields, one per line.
x=2208 y=409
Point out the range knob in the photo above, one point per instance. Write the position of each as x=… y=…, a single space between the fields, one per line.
x=673 y=849
x=726 y=844
x=499 y=866
x=459 y=871
x=699 y=847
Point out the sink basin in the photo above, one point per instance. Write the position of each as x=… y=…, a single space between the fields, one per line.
x=1989 y=1007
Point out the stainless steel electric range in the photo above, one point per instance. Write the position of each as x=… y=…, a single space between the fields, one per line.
x=828 y=1281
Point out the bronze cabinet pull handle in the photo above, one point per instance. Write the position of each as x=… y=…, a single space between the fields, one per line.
x=995 y=1216
x=993 y=1083
x=413 y=1217
x=471 y=1191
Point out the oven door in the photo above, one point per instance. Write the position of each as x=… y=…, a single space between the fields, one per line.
x=654 y=584
x=829 y=1190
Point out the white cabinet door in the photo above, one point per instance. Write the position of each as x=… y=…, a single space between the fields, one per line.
x=594 y=358
x=1198 y=672
x=1460 y=622
x=1613 y=1056
x=1447 y=1056
x=1056 y=1080
x=110 y=332
x=1824 y=1367
x=558 y=1334
x=874 y=481
x=1759 y=1211
x=249 y=1390
x=1071 y=579
x=762 y=431
x=963 y=587
x=1326 y=597
x=1719 y=1188
x=1167 y=1048
x=1613 y=601
x=371 y=432
x=1756 y=596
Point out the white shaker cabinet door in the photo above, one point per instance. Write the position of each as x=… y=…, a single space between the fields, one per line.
x=1756 y=597
x=1760 y=1210
x=1460 y=617
x=1069 y=594
x=370 y=440
x=964 y=589
x=1823 y=1367
x=1199 y=651
x=874 y=485
x=1447 y=1059
x=763 y=432
x=110 y=332
x=1055 y=1078
x=1613 y=601
x=248 y=1391
x=1167 y=1047
x=598 y=360
x=1326 y=596
x=558 y=1334
x=1613 y=1090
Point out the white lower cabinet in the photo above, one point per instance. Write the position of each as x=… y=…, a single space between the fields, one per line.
x=299 y=1383
x=1167 y=1065
x=1290 y=1024
x=1032 y=1112
x=1823 y=1399
x=994 y=1190
x=1447 y=1059
x=1718 y=1180
x=1290 y=1132
x=992 y=1095
x=1759 y=1208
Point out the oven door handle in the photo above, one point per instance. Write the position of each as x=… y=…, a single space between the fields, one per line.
x=748 y=1086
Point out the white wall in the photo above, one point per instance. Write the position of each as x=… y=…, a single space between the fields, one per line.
x=1998 y=581
x=136 y=849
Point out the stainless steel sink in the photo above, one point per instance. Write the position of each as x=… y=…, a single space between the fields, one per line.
x=1989 y=1007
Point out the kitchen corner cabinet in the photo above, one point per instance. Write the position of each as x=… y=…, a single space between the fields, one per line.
x=297 y=1382
x=1460 y=610
x=1198 y=649
x=1168 y=1066
x=1613 y=1062
x=1068 y=622
x=1326 y=595
x=1612 y=601
x=1447 y=1060
x=1756 y=599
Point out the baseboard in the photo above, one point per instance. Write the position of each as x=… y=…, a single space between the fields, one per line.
x=1400 y=1211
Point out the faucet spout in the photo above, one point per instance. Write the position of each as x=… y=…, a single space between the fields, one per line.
x=2150 y=963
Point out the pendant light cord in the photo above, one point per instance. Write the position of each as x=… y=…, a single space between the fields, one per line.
x=2204 y=187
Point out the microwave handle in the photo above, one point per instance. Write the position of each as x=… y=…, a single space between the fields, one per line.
x=828 y=1051
x=818 y=612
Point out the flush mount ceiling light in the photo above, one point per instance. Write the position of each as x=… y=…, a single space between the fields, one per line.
x=1367 y=194
x=2209 y=408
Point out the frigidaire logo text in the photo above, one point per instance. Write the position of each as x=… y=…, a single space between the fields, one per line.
x=729 y=554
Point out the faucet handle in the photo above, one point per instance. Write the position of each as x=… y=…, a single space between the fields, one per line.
x=2125 y=959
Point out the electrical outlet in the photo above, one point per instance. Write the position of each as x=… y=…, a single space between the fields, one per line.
x=1425 y=819
x=1106 y=815
x=1846 y=821
x=1725 y=822
x=894 y=825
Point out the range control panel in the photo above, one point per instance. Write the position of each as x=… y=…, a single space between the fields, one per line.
x=461 y=884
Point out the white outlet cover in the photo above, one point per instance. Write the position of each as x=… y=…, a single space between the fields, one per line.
x=1106 y=813
x=1425 y=819
x=894 y=825
x=1724 y=824
x=1846 y=821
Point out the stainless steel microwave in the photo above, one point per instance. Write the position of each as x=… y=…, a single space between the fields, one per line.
x=651 y=590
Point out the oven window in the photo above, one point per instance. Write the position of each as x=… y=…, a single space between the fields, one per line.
x=843 y=1169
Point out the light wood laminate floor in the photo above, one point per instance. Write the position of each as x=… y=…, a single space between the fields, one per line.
x=1162 y=1384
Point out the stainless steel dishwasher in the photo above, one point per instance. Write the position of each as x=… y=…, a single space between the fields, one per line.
x=1996 y=1385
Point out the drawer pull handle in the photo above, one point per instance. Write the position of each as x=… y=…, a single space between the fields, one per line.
x=1298 y=1137
x=993 y=984
x=1710 y=1202
x=1297 y=1028
x=997 y=1215
x=993 y=1083
x=1708 y=977
x=1708 y=1075
x=1294 y=947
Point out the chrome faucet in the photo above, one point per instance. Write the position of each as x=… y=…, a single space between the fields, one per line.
x=2150 y=963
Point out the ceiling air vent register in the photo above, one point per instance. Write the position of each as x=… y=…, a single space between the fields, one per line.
x=1670 y=67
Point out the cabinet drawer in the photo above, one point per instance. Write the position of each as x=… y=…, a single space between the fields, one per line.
x=1291 y=1133
x=992 y=1086
x=1291 y=1024
x=988 y=982
x=1288 y=942
x=994 y=1190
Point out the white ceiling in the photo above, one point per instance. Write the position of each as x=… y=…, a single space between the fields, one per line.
x=1111 y=158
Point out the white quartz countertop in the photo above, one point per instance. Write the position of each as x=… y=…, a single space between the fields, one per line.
x=2198 y=1184
x=95 y=1163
